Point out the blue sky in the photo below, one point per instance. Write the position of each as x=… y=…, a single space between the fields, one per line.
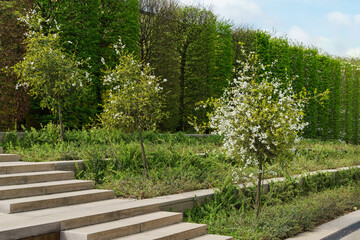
x=331 y=25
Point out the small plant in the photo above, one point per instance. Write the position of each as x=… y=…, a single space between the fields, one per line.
x=11 y=140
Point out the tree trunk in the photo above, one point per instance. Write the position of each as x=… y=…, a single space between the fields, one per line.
x=143 y=155
x=182 y=89
x=60 y=122
x=258 y=194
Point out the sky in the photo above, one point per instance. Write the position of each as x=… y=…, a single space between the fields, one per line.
x=333 y=26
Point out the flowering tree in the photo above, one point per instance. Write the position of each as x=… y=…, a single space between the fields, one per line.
x=259 y=117
x=50 y=74
x=135 y=98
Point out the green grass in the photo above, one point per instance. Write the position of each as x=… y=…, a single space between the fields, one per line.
x=175 y=166
x=279 y=218
x=315 y=155
x=174 y=163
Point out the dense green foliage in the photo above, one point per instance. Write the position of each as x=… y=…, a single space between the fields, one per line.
x=195 y=51
x=88 y=30
x=14 y=103
x=173 y=160
x=334 y=118
x=51 y=75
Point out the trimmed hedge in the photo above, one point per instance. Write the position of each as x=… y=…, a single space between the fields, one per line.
x=336 y=117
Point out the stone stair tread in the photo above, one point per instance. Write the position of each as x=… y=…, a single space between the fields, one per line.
x=34 y=189
x=212 y=237
x=178 y=231
x=80 y=215
x=9 y=157
x=18 y=167
x=123 y=227
x=39 y=222
x=53 y=200
x=34 y=177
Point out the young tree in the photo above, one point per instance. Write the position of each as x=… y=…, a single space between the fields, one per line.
x=50 y=74
x=259 y=118
x=135 y=99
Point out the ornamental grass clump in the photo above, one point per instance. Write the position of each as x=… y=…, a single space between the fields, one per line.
x=260 y=118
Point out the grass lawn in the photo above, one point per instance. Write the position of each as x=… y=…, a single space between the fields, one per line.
x=174 y=162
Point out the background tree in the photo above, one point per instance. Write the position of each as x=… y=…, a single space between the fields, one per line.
x=118 y=18
x=157 y=45
x=14 y=103
x=311 y=80
x=196 y=32
x=135 y=99
x=47 y=70
x=89 y=29
x=335 y=99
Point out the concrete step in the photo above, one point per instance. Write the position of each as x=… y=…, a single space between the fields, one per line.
x=123 y=227
x=35 y=189
x=22 y=167
x=9 y=157
x=51 y=220
x=54 y=200
x=178 y=231
x=34 y=177
x=212 y=237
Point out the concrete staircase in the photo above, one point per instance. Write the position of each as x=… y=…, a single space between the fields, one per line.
x=39 y=202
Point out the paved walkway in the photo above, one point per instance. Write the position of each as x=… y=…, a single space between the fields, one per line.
x=346 y=227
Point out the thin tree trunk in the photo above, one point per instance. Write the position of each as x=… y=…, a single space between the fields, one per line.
x=143 y=155
x=60 y=122
x=258 y=194
x=182 y=89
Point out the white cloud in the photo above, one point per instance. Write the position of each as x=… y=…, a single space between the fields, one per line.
x=353 y=52
x=325 y=44
x=298 y=34
x=246 y=7
x=339 y=19
x=357 y=19
x=231 y=9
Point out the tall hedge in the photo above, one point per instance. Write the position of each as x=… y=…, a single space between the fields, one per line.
x=355 y=104
x=335 y=100
x=280 y=52
x=193 y=50
x=346 y=101
x=158 y=47
x=297 y=67
x=323 y=85
x=334 y=118
x=88 y=30
x=14 y=103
